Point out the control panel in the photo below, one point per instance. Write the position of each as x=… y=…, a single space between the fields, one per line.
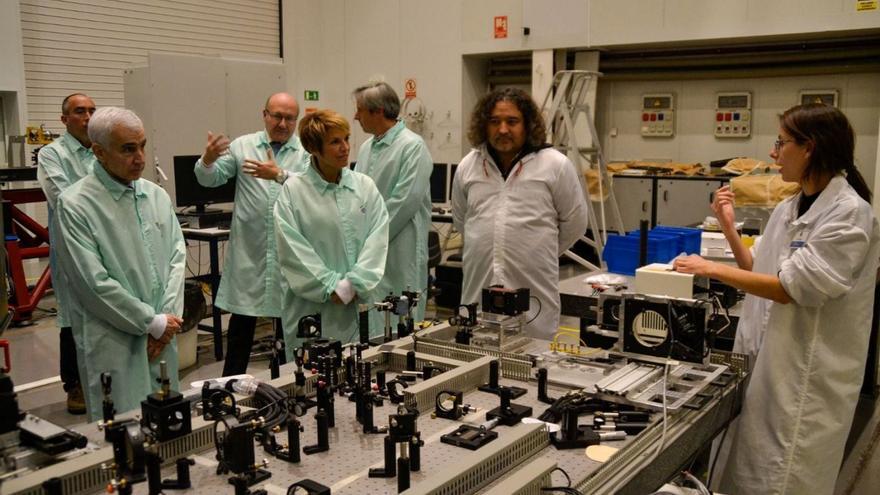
x=733 y=114
x=826 y=96
x=658 y=112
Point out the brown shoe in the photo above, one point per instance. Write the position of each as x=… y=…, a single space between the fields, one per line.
x=76 y=402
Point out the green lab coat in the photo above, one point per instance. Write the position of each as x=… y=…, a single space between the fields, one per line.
x=401 y=165
x=328 y=232
x=123 y=252
x=60 y=164
x=250 y=282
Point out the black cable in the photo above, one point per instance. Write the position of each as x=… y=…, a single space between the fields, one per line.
x=723 y=434
x=540 y=307
x=222 y=466
x=567 y=478
x=355 y=332
x=273 y=406
x=562 y=489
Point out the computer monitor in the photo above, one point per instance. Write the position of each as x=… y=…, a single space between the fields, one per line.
x=190 y=193
x=439 y=183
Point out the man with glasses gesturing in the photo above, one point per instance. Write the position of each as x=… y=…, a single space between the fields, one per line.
x=260 y=163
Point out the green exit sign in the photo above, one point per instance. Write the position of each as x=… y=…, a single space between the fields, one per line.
x=311 y=95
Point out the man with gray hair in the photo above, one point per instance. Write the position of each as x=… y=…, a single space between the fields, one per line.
x=122 y=250
x=61 y=163
x=400 y=164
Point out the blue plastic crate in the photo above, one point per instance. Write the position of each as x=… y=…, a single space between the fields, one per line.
x=621 y=252
x=690 y=240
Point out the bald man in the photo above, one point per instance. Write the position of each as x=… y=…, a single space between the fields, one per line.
x=61 y=164
x=260 y=163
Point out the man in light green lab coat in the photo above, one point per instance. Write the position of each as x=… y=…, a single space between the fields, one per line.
x=122 y=250
x=400 y=164
x=260 y=163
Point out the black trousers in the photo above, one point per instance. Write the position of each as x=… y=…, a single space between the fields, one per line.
x=67 y=354
x=240 y=341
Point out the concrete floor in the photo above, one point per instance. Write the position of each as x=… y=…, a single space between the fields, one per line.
x=34 y=352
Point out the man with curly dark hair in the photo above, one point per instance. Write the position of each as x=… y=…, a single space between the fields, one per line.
x=519 y=205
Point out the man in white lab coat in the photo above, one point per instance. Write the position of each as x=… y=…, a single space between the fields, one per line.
x=519 y=205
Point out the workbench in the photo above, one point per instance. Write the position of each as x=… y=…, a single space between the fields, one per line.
x=521 y=456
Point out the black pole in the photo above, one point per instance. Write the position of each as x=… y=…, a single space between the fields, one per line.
x=643 y=243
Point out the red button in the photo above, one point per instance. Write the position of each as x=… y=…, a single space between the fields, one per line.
x=728 y=116
x=644 y=117
x=719 y=116
x=653 y=117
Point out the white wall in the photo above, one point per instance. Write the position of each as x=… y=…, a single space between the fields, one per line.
x=182 y=97
x=615 y=22
x=12 y=81
x=334 y=46
x=85 y=46
x=619 y=109
x=553 y=24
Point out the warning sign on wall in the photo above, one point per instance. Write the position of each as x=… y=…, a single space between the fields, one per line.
x=409 y=88
x=500 y=26
x=865 y=5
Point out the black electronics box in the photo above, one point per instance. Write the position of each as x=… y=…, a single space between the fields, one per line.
x=501 y=301
x=207 y=220
x=448 y=280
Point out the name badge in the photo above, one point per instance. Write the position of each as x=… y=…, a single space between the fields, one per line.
x=796 y=244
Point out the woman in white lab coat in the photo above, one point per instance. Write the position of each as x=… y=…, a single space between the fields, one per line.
x=810 y=283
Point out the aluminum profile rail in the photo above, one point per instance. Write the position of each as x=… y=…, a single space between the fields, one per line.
x=513 y=366
x=527 y=480
x=464 y=378
x=85 y=474
x=624 y=473
x=395 y=360
x=476 y=469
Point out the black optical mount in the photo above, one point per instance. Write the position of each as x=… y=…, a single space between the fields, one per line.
x=493 y=388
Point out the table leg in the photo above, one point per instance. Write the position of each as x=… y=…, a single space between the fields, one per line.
x=215 y=311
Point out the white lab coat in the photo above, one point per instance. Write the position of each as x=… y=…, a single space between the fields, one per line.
x=800 y=401
x=515 y=230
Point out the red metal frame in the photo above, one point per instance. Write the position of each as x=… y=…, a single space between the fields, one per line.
x=33 y=242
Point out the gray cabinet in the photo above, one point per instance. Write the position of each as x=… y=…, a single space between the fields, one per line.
x=664 y=200
x=684 y=202
x=634 y=198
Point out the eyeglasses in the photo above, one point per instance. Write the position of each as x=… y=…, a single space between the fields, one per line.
x=777 y=145
x=277 y=117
